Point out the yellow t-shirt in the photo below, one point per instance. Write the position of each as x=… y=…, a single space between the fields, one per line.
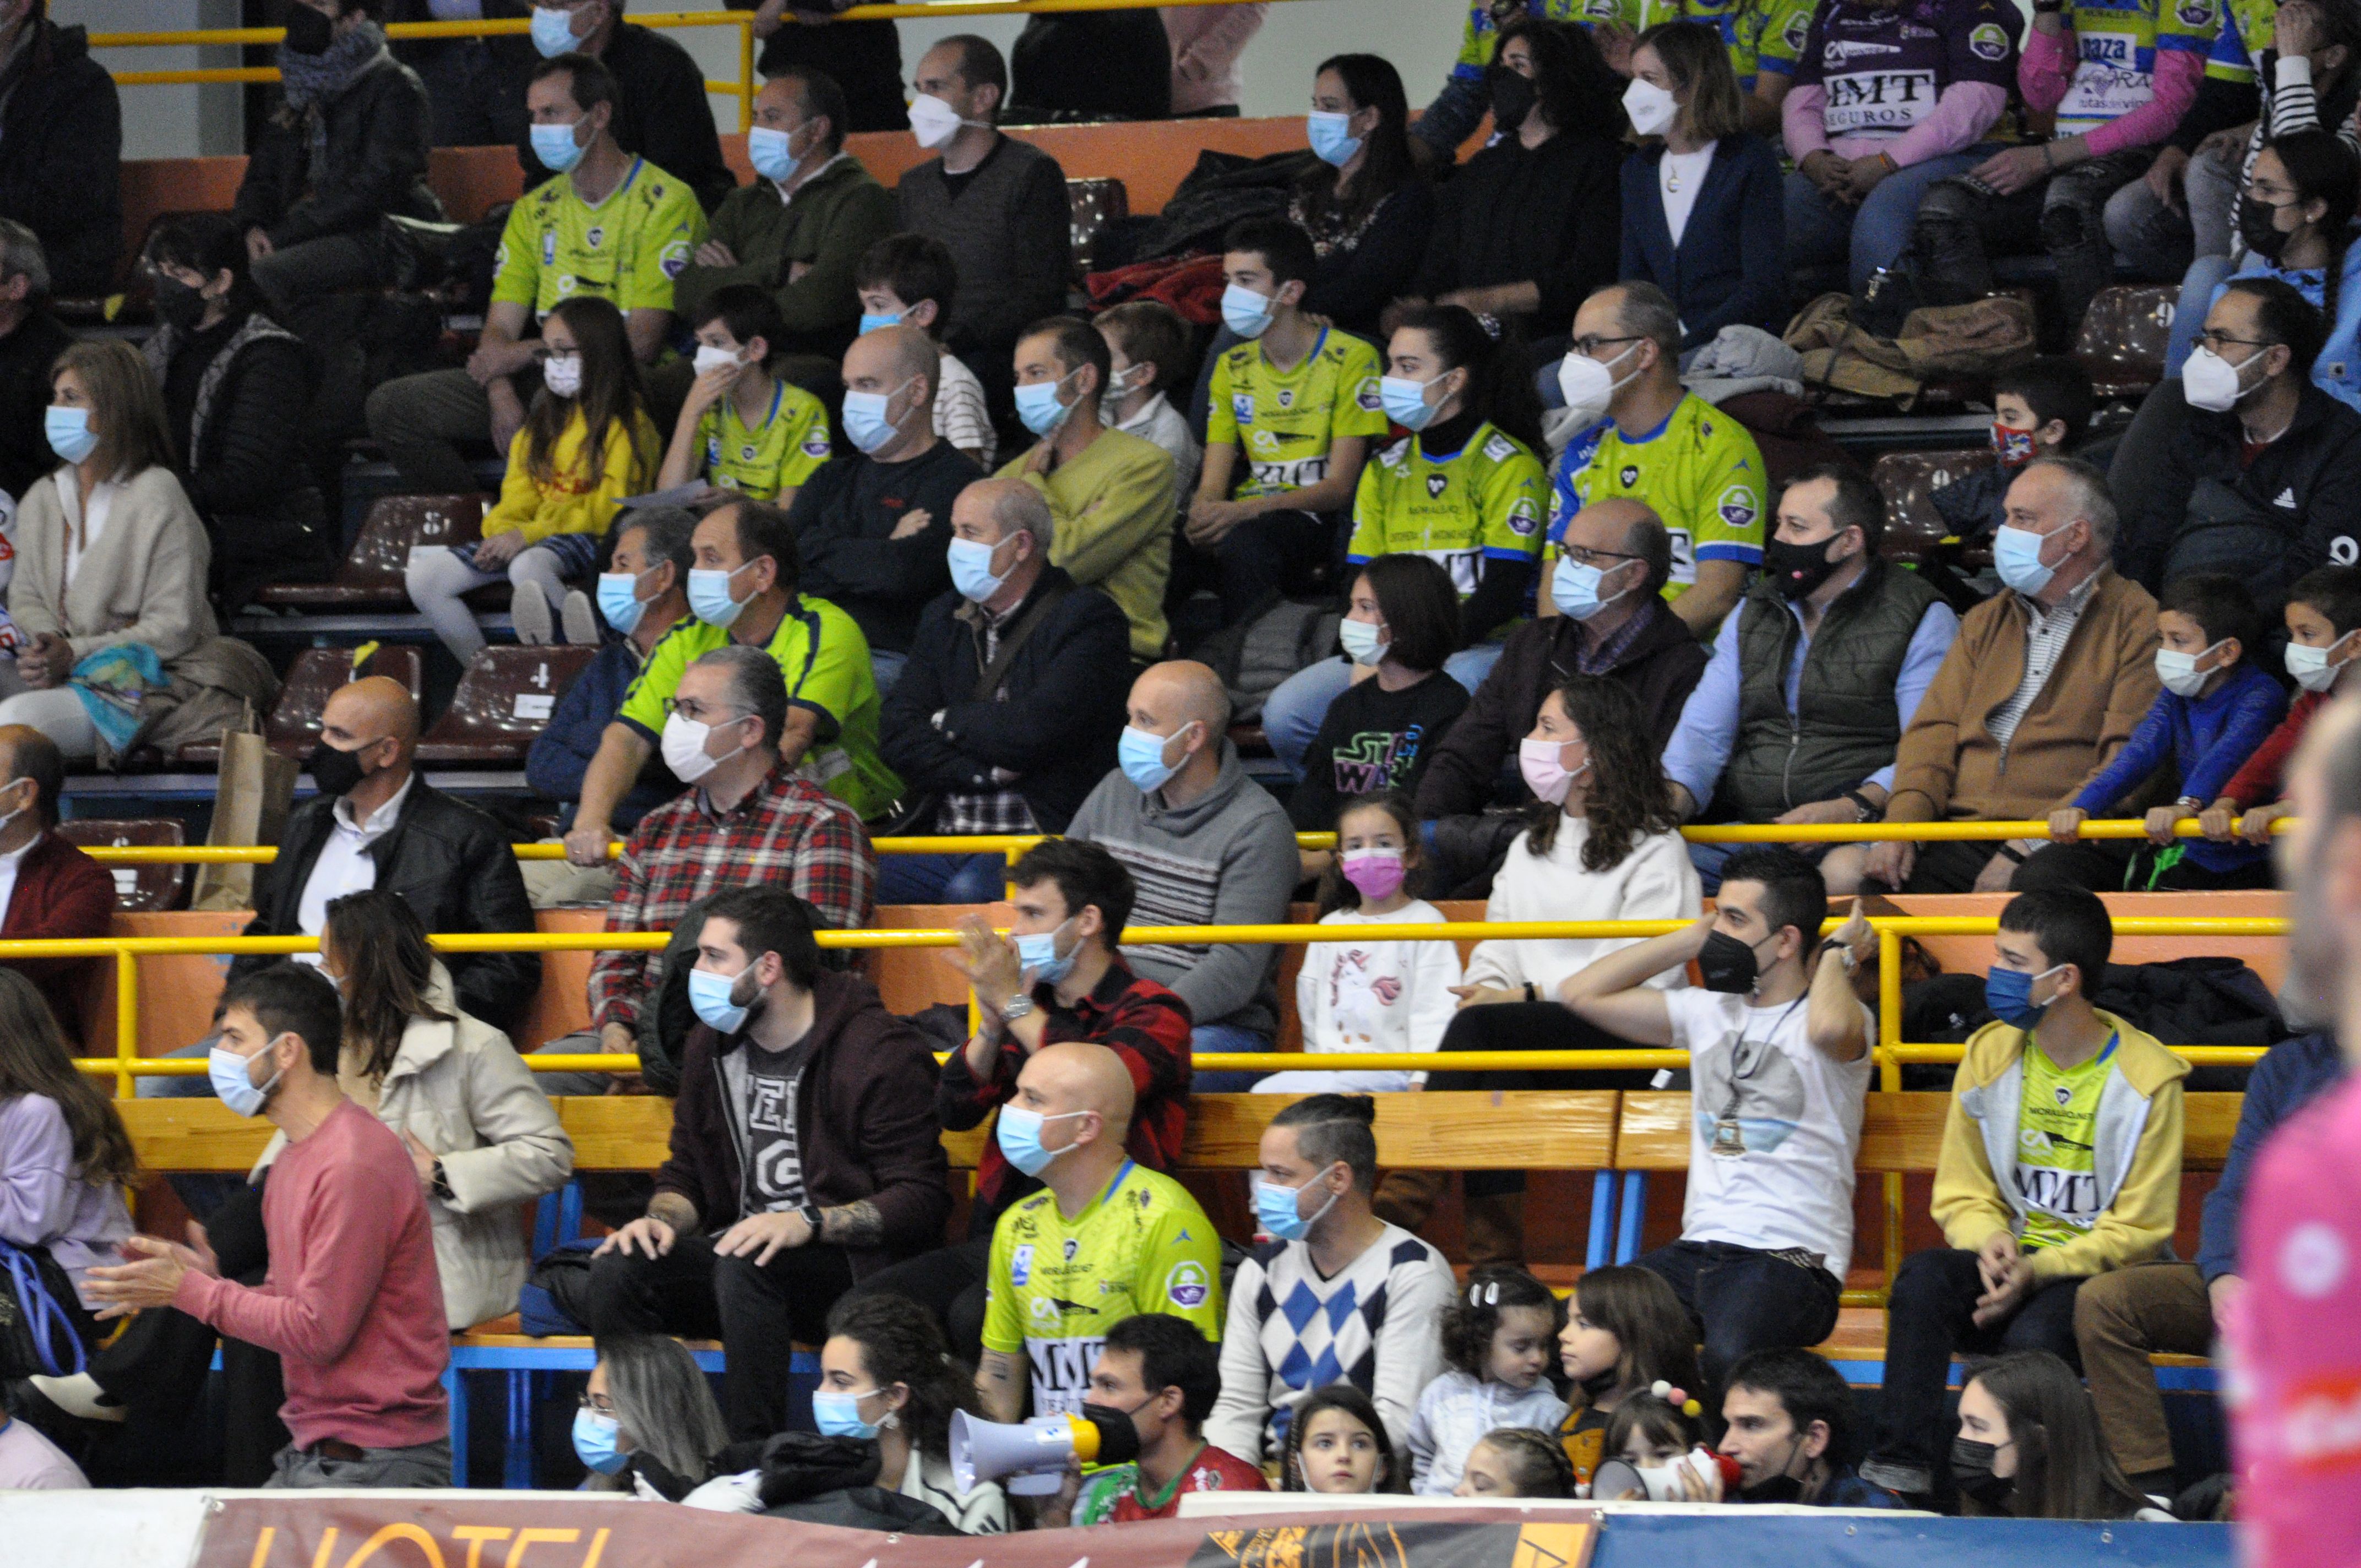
x=570 y=500
x=780 y=454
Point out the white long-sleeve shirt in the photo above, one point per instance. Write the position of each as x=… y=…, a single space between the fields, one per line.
x=1454 y=1415
x=1372 y=997
x=1654 y=882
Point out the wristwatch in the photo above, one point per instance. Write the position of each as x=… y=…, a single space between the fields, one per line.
x=1015 y=1007
x=1870 y=810
x=811 y=1211
x=441 y=1183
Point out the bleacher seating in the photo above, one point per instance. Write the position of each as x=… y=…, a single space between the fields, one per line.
x=2121 y=342
x=503 y=702
x=1907 y=480
x=137 y=889
x=293 y=726
x=1094 y=203
x=370 y=578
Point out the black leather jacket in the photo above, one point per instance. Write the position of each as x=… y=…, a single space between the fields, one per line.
x=453 y=865
x=380 y=128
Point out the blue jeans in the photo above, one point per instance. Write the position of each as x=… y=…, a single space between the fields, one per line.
x=1292 y=713
x=1821 y=233
x=885 y=668
x=2205 y=274
x=1225 y=1038
x=941 y=879
x=1708 y=860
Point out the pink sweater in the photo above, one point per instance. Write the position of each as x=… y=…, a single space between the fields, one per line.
x=2295 y=1343
x=1963 y=113
x=1206 y=42
x=352 y=1303
x=2045 y=69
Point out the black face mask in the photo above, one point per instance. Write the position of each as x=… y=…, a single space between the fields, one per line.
x=1797 y=571
x=1513 y=100
x=1778 y=1489
x=1727 y=964
x=2256 y=227
x=307 y=32
x=338 y=772
x=179 y=305
x=1971 y=1470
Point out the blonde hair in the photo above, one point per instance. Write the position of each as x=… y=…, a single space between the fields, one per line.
x=126 y=407
x=1698 y=62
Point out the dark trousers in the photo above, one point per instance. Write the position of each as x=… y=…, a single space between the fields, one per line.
x=1255 y=562
x=758 y=1311
x=1948 y=866
x=1528 y=1027
x=478 y=94
x=1960 y=229
x=1931 y=1318
x=1746 y=1299
x=2112 y=865
x=950 y=1284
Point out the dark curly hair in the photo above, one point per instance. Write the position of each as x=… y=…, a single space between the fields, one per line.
x=901 y=1344
x=1469 y=1322
x=1361 y=1407
x=1536 y=1459
x=1335 y=892
x=1628 y=797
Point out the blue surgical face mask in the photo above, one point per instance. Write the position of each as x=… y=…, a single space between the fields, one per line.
x=1038 y=407
x=871 y=320
x=1405 y=401
x=2009 y=993
x=1142 y=755
x=1332 y=142
x=865 y=424
x=1573 y=589
x=708 y=595
x=1277 y=1210
x=597 y=1439
x=1020 y=1137
x=233 y=1080
x=619 y=599
x=1364 y=643
x=552 y=32
x=69 y=431
x=555 y=146
x=1246 y=313
x=1037 y=953
x=2016 y=557
x=837 y=1413
x=972 y=572
x=772 y=152
x=709 y=997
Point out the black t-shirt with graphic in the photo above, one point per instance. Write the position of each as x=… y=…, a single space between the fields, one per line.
x=1373 y=740
x=773 y=1178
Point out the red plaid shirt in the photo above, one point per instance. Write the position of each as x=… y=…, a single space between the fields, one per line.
x=785 y=831
x=1137 y=1019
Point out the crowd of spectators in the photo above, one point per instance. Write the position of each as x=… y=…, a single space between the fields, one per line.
x=874 y=534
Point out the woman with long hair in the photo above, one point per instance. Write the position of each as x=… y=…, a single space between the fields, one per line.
x=2029 y=1446
x=111 y=558
x=1601 y=843
x=648 y=1423
x=586 y=443
x=64 y=1160
x=1400 y=627
x=885 y=1372
x=1530 y=227
x=1367 y=206
x=1703 y=206
x=483 y=1135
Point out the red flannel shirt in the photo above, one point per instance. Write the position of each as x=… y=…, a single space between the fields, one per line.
x=787 y=832
x=1138 y=1020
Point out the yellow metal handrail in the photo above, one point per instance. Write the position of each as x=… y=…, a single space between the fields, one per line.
x=1890 y=1051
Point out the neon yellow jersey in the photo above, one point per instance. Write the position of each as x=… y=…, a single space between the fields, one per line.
x=1760 y=34
x=2057 y=1117
x=2245 y=33
x=2117 y=42
x=1486 y=500
x=825 y=658
x=782 y=454
x=1699 y=471
x=628 y=248
x=1287 y=420
x=1056 y=1286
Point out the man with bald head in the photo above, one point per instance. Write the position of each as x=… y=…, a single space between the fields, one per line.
x=874 y=522
x=49 y=888
x=1104 y=1240
x=375 y=823
x=1208 y=847
x=1007 y=712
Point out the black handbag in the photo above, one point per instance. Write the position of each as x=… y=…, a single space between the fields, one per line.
x=39 y=1334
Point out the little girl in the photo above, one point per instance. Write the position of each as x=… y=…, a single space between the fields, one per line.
x=586 y=444
x=1336 y=1443
x=1626 y=1331
x=1496 y=1339
x=1372 y=995
x=1516 y=1461
x=1649 y=1432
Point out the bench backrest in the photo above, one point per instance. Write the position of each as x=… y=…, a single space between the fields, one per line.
x=1899 y=1133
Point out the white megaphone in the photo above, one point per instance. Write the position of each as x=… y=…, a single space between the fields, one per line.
x=1033 y=1455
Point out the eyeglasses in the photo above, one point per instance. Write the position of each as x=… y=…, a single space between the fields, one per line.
x=694 y=711
x=598 y=1404
x=2217 y=341
x=1589 y=347
x=1582 y=556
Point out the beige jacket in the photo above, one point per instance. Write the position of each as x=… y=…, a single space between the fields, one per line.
x=463 y=1089
x=144 y=581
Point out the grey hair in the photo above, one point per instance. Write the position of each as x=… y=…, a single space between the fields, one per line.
x=1021 y=508
x=662 y=1402
x=1646 y=311
x=666 y=534
x=756 y=686
x=2090 y=499
x=21 y=257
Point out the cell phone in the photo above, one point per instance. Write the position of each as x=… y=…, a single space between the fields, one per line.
x=1980 y=187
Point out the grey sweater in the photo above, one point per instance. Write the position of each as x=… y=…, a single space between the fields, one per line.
x=1225 y=859
x=1010 y=232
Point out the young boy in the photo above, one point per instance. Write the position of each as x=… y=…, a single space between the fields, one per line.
x=1301 y=402
x=2060 y=1160
x=742 y=428
x=1161 y=1370
x=1149 y=343
x=2323 y=622
x=2214 y=712
x=2039 y=408
x=909 y=279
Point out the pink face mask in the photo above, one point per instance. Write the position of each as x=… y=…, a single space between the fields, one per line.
x=1542 y=762
x=1378 y=873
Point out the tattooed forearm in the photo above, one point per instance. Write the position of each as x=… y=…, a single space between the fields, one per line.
x=854 y=1225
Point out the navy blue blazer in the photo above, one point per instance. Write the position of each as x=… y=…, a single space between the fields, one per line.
x=1730 y=266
